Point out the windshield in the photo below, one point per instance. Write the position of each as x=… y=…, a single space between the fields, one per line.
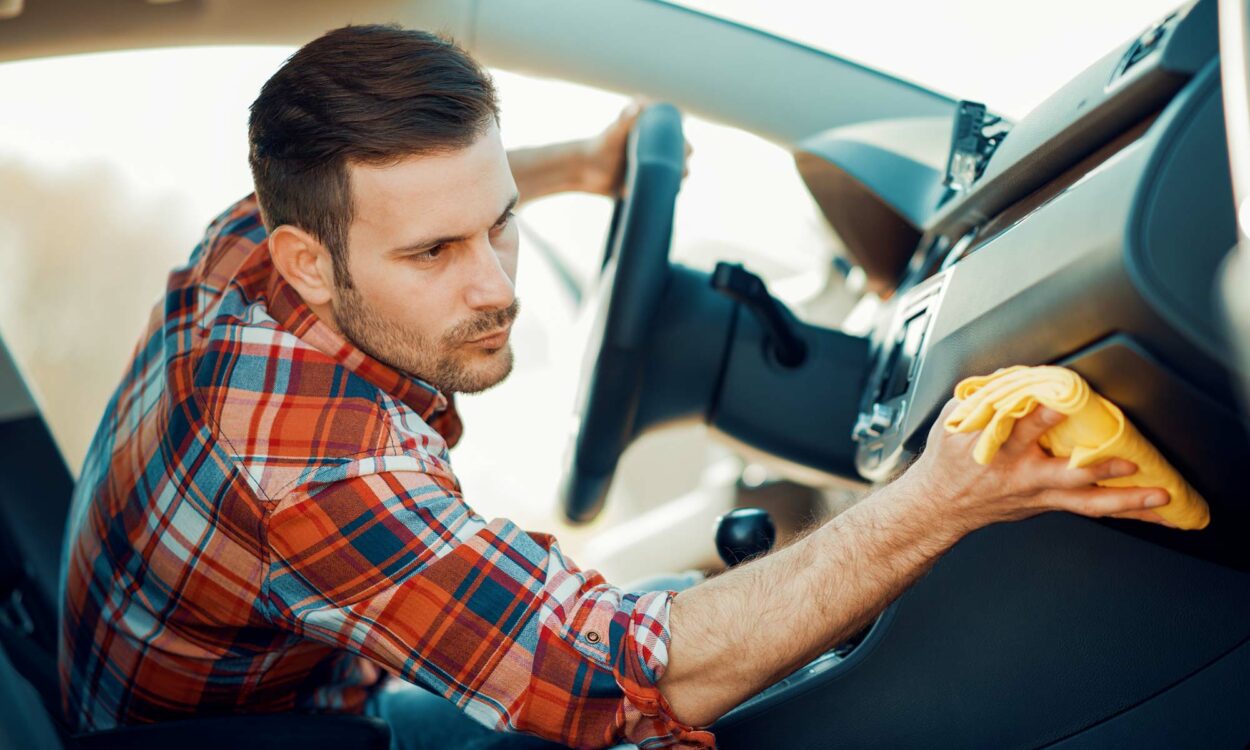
x=1010 y=56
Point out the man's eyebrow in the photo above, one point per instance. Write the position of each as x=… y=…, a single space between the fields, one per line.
x=427 y=244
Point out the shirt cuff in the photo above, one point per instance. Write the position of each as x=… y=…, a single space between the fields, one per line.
x=642 y=657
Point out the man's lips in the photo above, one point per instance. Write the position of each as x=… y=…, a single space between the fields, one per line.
x=493 y=340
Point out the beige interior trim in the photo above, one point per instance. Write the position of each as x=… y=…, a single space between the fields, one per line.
x=722 y=71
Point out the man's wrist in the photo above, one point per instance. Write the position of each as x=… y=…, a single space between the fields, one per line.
x=928 y=507
x=587 y=173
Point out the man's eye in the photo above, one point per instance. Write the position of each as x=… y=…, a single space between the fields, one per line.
x=428 y=255
x=504 y=221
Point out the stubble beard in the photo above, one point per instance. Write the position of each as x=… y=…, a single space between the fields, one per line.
x=445 y=363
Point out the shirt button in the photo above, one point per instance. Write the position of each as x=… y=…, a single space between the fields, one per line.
x=592 y=636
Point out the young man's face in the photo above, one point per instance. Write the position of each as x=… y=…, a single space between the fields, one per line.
x=432 y=252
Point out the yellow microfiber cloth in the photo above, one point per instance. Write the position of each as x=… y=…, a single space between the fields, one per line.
x=1095 y=430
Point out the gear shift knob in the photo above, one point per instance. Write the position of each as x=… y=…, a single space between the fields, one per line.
x=743 y=533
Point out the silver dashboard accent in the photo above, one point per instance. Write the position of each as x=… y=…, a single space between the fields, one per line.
x=874 y=424
x=883 y=411
x=960 y=248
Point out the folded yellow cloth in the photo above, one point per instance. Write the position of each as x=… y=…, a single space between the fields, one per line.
x=1095 y=430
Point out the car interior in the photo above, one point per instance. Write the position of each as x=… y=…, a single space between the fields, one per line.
x=1091 y=233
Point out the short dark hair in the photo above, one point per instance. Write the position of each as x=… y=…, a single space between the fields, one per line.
x=358 y=95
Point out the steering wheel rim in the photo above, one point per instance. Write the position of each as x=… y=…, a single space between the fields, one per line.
x=636 y=270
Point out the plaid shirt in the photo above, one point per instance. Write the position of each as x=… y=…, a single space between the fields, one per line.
x=267 y=521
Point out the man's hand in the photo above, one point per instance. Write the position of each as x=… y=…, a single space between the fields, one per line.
x=604 y=154
x=592 y=165
x=1022 y=480
x=741 y=631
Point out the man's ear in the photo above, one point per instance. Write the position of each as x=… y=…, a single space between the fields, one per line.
x=304 y=262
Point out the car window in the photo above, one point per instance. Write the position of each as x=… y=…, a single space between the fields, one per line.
x=114 y=163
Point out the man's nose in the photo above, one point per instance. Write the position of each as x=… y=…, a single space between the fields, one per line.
x=489 y=286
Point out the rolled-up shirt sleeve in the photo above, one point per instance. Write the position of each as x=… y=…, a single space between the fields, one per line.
x=393 y=565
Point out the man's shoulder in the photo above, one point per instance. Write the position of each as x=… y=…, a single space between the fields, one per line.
x=286 y=410
x=196 y=290
x=285 y=407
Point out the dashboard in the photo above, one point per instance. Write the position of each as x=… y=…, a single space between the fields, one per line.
x=1092 y=239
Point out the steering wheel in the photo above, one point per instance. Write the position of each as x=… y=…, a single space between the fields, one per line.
x=636 y=272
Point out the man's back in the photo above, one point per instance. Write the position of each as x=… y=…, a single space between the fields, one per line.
x=166 y=608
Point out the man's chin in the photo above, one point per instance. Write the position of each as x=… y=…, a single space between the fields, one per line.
x=489 y=368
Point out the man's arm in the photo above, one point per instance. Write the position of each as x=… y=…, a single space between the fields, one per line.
x=540 y=171
x=384 y=559
x=737 y=633
x=592 y=165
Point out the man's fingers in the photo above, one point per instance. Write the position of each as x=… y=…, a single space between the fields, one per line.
x=939 y=426
x=1145 y=515
x=1106 y=501
x=633 y=109
x=950 y=406
x=947 y=409
x=1059 y=475
x=1029 y=428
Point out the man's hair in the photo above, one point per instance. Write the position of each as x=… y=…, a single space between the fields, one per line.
x=358 y=95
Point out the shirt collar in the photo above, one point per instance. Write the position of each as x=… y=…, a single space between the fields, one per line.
x=289 y=309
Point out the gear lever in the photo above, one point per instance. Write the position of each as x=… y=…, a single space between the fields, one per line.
x=744 y=533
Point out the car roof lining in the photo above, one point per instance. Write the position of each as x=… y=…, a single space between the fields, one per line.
x=714 y=68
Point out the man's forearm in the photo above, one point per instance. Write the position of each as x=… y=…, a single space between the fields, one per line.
x=545 y=170
x=735 y=634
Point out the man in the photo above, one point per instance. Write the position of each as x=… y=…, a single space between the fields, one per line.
x=267 y=519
